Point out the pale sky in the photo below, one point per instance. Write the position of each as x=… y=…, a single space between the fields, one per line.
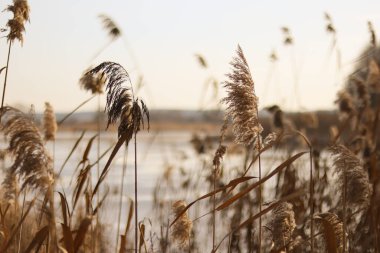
x=160 y=38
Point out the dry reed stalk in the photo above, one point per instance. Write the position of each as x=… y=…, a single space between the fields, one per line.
x=242 y=108
x=130 y=111
x=20 y=10
x=219 y=153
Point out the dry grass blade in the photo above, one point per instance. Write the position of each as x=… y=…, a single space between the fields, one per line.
x=142 y=237
x=258 y=215
x=81 y=180
x=99 y=205
x=79 y=238
x=123 y=241
x=71 y=152
x=118 y=145
x=38 y=239
x=1 y=70
x=329 y=233
x=68 y=238
x=88 y=149
x=64 y=208
x=254 y=185
x=232 y=183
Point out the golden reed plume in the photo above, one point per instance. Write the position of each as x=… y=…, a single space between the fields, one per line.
x=20 y=10
x=242 y=101
x=49 y=123
x=31 y=161
x=182 y=228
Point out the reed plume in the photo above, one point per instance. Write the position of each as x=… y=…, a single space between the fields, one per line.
x=50 y=123
x=359 y=189
x=282 y=225
x=288 y=38
x=32 y=162
x=330 y=28
x=113 y=30
x=20 y=10
x=202 y=61
x=345 y=103
x=242 y=101
x=121 y=104
x=93 y=83
x=372 y=34
x=181 y=230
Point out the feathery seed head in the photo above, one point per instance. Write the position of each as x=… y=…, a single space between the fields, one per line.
x=282 y=224
x=20 y=10
x=31 y=161
x=50 y=124
x=93 y=83
x=358 y=187
x=113 y=30
x=121 y=104
x=242 y=101
x=182 y=228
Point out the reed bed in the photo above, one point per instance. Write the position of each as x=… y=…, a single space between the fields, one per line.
x=287 y=191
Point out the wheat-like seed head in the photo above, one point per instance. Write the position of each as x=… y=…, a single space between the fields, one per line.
x=242 y=101
x=31 y=161
x=50 y=123
x=282 y=224
x=181 y=230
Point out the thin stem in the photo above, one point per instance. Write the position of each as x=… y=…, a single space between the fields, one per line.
x=6 y=74
x=260 y=192
x=22 y=214
x=213 y=210
x=344 y=208
x=76 y=108
x=121 y=196
x=136 y=203
x=311 y=201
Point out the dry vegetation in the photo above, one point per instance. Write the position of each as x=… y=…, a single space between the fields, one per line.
x=325 y=196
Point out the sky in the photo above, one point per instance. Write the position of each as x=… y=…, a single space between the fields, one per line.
x=161 y=37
